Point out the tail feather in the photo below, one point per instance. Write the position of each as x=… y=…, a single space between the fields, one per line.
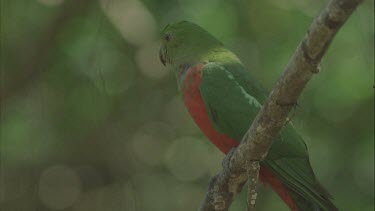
x=267 y=177
x=306 y=205
x=298 y=200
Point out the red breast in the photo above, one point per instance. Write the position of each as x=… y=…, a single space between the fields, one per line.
x=197 y=109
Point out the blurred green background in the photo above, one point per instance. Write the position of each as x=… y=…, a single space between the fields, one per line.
x=90 y=120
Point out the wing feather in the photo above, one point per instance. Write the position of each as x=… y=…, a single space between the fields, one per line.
x=232 y=98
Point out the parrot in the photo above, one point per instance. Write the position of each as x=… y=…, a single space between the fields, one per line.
x=223 y=98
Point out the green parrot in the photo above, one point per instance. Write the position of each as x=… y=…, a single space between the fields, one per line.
x=223 y=98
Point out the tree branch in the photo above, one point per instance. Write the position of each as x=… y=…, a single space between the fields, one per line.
x=243 y=162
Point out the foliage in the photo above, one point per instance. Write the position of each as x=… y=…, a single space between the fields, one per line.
x=90 y=120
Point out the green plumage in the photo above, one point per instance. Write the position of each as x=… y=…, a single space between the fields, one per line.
x=229 y=94
x=233 y=98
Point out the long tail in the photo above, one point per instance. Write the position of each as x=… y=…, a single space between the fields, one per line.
x=295 y=201
x=267 y=177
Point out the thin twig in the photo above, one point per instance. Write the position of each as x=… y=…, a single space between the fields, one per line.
x=269 y=121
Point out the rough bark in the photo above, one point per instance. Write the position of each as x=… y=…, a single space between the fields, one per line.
x=242 y=163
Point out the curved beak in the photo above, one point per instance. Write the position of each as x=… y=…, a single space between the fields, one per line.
x=162 y=55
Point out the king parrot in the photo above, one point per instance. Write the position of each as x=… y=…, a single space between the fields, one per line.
x=223 y=98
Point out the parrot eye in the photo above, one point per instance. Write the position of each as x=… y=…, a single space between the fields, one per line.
x=168 y=37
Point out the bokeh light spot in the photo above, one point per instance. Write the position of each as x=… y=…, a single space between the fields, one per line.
x=151 y=141
x=147 y=148
x=149 y=63
x=186 y=158
x=132 y=19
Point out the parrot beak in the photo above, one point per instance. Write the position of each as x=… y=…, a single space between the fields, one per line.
x=162 y=55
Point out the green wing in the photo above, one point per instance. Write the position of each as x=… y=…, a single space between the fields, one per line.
x=233 y=98
x=232 y=107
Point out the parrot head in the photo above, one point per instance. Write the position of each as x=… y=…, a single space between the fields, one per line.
x=185 y=42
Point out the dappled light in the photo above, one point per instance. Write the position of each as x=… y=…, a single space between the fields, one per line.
x=92 y=121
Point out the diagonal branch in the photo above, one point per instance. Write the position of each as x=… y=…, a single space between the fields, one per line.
x=243 y=162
